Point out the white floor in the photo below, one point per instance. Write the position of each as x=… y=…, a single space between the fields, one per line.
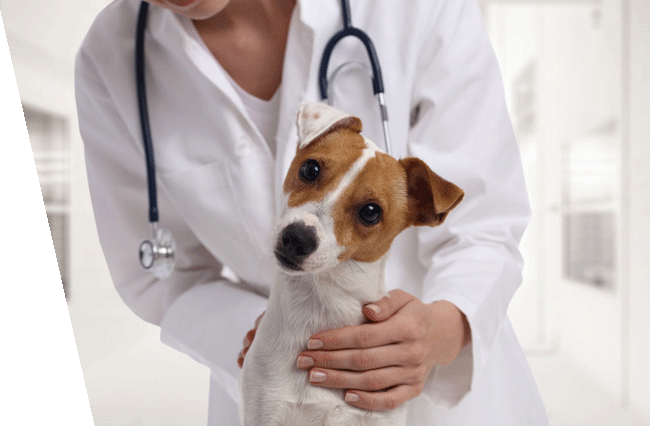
x=133 y=379
x=573 y=399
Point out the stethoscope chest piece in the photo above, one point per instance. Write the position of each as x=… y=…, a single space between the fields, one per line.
x=157 y=254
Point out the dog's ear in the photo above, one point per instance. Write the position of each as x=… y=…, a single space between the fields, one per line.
x=317 y=119
x=430 y=197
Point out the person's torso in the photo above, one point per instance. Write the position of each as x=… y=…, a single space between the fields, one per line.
x=212 y=163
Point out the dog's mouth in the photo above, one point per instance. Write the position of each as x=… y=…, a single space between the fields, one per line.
x=287 y=262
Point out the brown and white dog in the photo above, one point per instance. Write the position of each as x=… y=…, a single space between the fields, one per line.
x=345 y=202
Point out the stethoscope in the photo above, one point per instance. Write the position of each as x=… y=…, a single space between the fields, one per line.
x=157 y=253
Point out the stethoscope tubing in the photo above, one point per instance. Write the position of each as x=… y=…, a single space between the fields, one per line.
x=377 y=79
x=143 y=110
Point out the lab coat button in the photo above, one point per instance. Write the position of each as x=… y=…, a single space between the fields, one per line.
x=243 y=147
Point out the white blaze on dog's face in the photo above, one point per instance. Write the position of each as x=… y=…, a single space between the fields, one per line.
x=346 y=199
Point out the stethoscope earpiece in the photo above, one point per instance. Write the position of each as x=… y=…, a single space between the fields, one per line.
x=157 y=254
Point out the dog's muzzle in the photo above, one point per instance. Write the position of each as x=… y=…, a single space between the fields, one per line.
x=295 y=243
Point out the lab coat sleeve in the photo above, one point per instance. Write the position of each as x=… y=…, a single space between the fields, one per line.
x=199 y=312
x=463 y=132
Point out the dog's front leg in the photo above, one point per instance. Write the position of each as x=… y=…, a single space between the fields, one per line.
x=265 y=380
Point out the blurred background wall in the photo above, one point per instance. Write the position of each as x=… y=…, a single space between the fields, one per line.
x=576 y=79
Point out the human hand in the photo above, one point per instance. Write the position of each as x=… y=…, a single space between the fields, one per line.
x=248 y=340
x=386 y=363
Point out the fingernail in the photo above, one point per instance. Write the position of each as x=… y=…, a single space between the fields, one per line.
x=305 y=362
x=351 y=397
x=314 y=344
x=376 y=309
x=317 y=376
x=250 y=335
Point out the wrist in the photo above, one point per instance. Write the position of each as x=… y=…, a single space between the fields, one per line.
x=454 y=319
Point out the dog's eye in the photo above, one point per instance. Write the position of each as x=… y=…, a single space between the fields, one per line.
x=309 y=170
x=370 y=214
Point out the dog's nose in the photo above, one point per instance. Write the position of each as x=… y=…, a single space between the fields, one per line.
x=299 y=240
x=296 y=242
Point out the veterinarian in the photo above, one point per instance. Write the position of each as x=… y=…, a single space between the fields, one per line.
x=224 y=81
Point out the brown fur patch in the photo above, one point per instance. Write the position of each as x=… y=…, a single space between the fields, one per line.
x=335 y=152
x=383 y=182
x=408 y=192
x=431 y=197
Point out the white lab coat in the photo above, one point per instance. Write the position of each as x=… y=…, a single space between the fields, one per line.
x=220 y=186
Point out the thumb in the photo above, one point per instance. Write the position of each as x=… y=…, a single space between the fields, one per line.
x=386 y=307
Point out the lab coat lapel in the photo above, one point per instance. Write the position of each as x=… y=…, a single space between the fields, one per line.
x=175 y=32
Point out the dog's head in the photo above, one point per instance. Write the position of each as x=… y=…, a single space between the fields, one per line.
x=347 y=200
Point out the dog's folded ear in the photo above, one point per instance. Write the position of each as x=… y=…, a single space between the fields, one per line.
x=430 y=197
x=317 y=119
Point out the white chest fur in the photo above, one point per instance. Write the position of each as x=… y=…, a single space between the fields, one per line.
x=274 y=391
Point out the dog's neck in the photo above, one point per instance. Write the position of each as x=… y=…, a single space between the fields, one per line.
x=349 y=281
x=311 y=303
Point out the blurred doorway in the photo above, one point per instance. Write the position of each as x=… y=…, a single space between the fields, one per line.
x=50 y=143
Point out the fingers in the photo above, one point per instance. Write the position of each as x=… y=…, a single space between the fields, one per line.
x=248 y=339
x=354 y=359
x=381 y=332
x=380 y=401
x=371 y=335
x=241 y=356
x=372 y=381
x=362 y=336
x=356 y=337
x=386 y=307
x=376 y=390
